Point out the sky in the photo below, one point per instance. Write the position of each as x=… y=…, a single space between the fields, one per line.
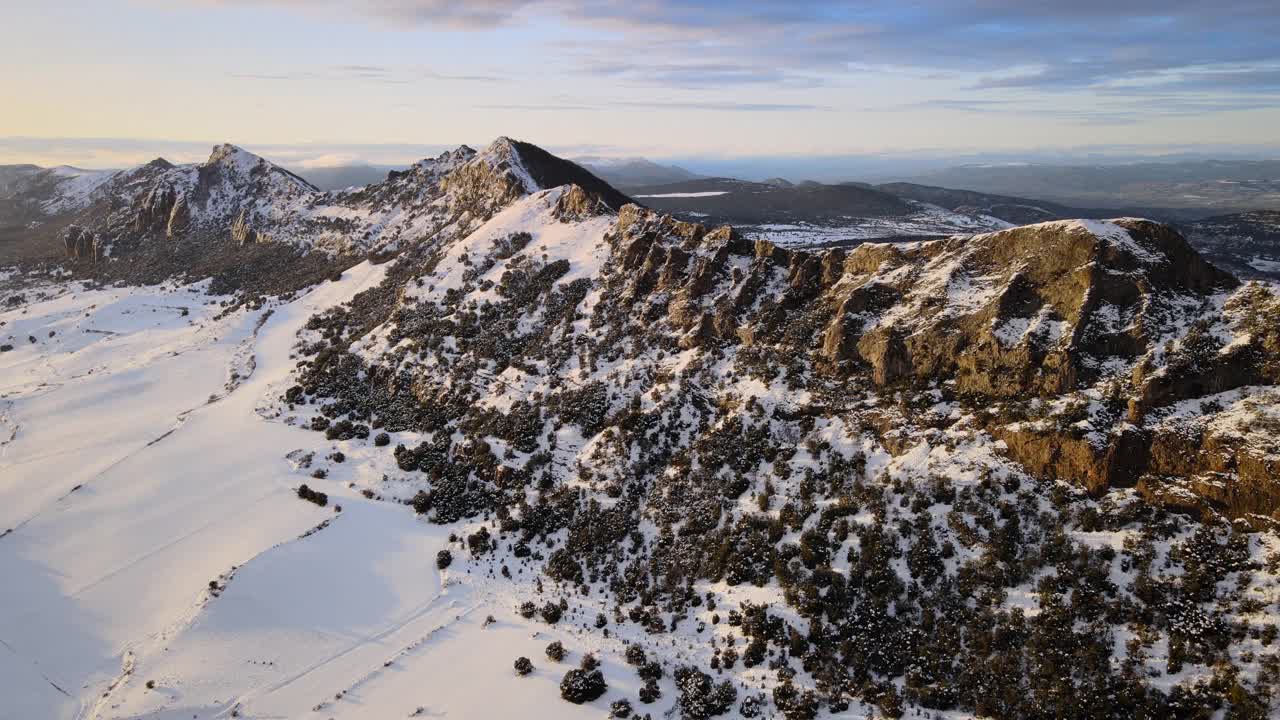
x=312 y=83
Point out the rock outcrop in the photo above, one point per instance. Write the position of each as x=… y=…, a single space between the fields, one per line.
x=80 y=243
x=1071 y=340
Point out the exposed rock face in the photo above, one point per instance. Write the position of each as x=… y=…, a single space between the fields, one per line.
x=179 y=217
x=80 y=243
x=154 y=210
x=576 y=205
x=243 y=233
x=1087 y=319
x=1029 y=310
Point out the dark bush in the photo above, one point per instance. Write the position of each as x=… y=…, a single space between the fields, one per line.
x=582 y=686
x=701 y=699
x=551 y=613
x=650 y=671
x=382 y=439
x=561 y=566
x=478 y=541
x=444 y=559
x=310 y=495
x=555 y=650
x=650 y=692
x=523 y=666
x=636 y=655
x=795 y=704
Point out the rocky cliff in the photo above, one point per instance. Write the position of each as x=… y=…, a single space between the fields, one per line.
x=1070 y=342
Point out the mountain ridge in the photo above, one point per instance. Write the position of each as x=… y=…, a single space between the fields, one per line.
x=812 y=471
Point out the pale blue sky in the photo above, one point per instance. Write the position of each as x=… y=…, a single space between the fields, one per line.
x=315 y=82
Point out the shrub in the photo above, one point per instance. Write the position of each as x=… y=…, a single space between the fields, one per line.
x=551 y=613
x=582 y=686
x=561 y=566
x=636 y=655
x=523 y=666
x=310 y=495
x=478 y=541
x=382 y=439
x=620 y=708
x=699 y=697
x=444 y=559
x=650 y=692
x=794 y=704
x=555 y=650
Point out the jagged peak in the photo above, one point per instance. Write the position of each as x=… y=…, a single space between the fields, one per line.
x=502 y=144
x=446 y=160
x=537 y=169
x=227 y=153
x=241 y=162
x=504 y=154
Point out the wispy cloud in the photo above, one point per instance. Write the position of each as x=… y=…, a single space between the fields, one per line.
x=372 y=74
x=1128 y=48
x=709 y=106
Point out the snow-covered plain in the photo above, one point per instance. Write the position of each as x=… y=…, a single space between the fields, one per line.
x=157 y=562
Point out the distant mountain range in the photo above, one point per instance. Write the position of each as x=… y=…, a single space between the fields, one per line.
x=370 y=207
x=1204 y=186
x=342 y=177
x=627 y=173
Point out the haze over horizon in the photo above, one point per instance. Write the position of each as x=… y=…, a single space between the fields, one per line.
x=705 y=81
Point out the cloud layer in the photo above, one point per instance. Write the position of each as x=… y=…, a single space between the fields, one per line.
x=1170 y=57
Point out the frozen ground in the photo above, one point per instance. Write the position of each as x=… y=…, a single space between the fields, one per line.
x=152 y=535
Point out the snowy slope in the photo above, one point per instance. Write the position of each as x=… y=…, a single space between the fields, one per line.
x=140 y=469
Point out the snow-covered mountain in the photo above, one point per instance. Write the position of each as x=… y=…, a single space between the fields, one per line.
x=52 y=190
x=239 y=197
x=1023 y=473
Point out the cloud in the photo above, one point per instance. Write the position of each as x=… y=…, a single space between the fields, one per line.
x=471 y=14
x=799 y=43
x=710 y=106
x=370 y=73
